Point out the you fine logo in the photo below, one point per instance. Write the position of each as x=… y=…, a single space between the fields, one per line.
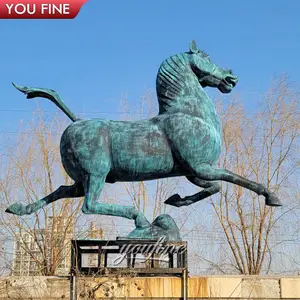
x=40 y=9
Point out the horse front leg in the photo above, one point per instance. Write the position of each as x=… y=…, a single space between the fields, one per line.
x=209 y=189
x=208 y=173
x=73 y=191
x=93 y=186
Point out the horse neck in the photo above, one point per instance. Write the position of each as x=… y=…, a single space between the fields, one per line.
x=197 y=104
x=178 y=90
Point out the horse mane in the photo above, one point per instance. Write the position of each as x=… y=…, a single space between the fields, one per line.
x=171 y=79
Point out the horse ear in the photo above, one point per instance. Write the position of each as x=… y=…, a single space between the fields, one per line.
x=193 y=47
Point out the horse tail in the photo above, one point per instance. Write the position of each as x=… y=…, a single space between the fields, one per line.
x=46 y=93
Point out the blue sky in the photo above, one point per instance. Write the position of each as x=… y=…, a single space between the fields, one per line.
x=115 y=47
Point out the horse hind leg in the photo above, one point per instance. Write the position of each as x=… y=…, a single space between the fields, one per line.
x=73 y=191
x=208 y=173
x=93 y=186
x=209 y=189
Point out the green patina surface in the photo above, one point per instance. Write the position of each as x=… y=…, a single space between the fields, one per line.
x=184 y=139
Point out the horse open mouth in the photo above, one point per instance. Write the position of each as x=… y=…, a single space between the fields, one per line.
x=230 y=81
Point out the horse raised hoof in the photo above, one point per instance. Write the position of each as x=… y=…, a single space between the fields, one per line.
x=16 y=209
x=272 y=200
x=175 y=200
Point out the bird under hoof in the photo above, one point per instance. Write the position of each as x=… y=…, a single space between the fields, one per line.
x=163 y=226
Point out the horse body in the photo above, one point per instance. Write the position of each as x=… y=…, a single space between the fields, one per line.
x=126 y=151
x=141 y=150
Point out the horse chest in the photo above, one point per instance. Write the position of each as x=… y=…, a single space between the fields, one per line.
x=194 y=139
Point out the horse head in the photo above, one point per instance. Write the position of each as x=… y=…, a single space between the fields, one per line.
x=208 y=73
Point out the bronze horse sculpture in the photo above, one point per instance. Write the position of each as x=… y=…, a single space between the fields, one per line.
x=184 y=139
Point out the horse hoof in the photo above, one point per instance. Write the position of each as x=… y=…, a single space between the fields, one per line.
x=272 y=200
x=174 y=200
x=15 y=209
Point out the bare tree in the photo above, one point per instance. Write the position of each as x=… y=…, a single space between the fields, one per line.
x=31 y=168
x=262 y=147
